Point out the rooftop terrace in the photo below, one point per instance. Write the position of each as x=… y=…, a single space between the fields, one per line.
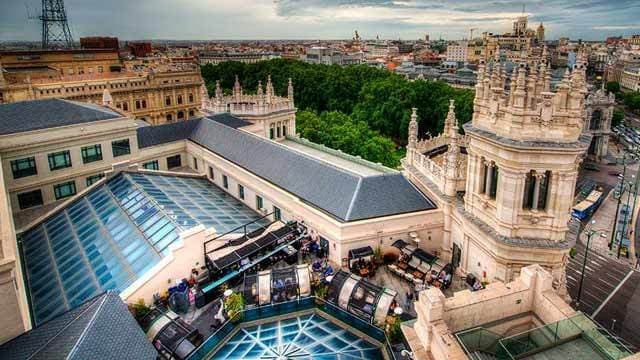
x=112 y=235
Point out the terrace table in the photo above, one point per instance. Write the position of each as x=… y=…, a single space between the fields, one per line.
x=364 y=272
x=403 y=266
x=418 y=275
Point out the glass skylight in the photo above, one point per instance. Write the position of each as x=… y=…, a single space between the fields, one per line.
x=113 y=235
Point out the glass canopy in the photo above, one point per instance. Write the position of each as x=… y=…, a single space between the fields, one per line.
x=305 y=337
x=111 y=236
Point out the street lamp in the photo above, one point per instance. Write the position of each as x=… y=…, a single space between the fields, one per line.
x=590 y=234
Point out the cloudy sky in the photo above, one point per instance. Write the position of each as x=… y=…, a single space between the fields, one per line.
x=326 y=19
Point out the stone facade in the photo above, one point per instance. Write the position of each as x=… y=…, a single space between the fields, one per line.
x=597 y=122
x=521 y=156
x=272 y=116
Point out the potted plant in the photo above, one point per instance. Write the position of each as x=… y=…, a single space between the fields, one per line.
x=234 y=305
x=377 y=255
x=321 y=291
x=139 y=310
x=394 y=330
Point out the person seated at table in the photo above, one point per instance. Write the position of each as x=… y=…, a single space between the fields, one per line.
x=328 y=271
x=316 y=266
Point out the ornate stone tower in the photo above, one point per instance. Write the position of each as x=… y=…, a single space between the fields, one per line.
x=525 y=144
x=597 y=122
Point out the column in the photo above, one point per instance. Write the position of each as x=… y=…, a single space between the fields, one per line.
x=489 y=180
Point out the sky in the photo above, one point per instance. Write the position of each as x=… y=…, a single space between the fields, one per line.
x=322 y=19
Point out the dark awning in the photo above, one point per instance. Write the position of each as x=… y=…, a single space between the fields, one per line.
x=425 y=256
x=399 y=244
x=360 y=252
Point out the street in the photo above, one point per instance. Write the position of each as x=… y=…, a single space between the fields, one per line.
x=611 y=290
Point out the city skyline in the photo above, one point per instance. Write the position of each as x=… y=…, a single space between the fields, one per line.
x=316 y=19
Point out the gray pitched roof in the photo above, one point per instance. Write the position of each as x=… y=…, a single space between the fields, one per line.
x=342 y=194
x=43 y=114
x=229 y=120
x=97 y=329
x=156 y=135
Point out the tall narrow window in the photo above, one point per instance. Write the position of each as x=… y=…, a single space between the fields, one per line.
x=259 y=202
x=167 y=100
x=493 y=189
x=545 y=184
x=241 y=191
x=277 y=214
x=225 y=181
x=483 y=176
x=190 y=98
x=278 y=131
x=179 y=99
x=271 y=132
x=529 y=186
x=23 y=167
x=195 y=163
x=211 y=174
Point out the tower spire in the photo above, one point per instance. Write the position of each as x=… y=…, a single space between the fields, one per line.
x=290 y=87
x=413 y=129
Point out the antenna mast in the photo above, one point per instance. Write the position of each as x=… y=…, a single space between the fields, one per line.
x=55 y=28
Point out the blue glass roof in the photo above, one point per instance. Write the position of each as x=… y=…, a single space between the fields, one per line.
x=111 y=236
x=305 y=337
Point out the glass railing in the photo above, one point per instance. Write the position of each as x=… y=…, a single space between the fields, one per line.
x=479 y=339
x=606 y=343
x=287 y=308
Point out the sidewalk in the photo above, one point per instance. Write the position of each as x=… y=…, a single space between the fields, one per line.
x=604 y=218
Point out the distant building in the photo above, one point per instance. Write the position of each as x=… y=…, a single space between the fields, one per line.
x=329 y=56
x=631 y=79
x=457 y=52
x=99 y=42
x=140 y=49
x=540 y=34
x=157 y=94
x=215 y=57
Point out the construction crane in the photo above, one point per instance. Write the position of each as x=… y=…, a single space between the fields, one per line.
x=471 y=30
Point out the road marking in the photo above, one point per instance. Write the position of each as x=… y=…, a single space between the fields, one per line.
x=612 y=293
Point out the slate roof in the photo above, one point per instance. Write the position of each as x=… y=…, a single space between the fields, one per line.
x=342 y=194
x=100 y=328
x=162 y=134
x=229 y=120
x=43 y=114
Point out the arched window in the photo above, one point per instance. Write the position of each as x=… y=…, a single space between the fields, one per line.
x=179 y=99
x=125 y=106
x=167 y=100
x=536 y=190
x=169 y=118
x=180 y=115
x=144 y=104
x=191 y=113
x=529 y=185
x=190 y=98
